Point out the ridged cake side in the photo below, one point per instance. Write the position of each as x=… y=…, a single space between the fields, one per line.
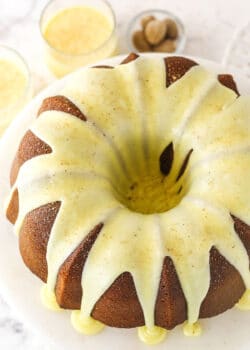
x=119 y=306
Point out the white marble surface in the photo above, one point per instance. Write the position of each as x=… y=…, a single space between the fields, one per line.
x=210 y=27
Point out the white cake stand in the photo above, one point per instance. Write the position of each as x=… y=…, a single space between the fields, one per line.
x=21 y=289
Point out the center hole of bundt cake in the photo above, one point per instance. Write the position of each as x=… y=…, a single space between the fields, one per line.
x=159 y=189
x=150 y=194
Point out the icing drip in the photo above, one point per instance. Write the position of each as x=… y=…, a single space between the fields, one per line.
x=85 y=325
x=244 y=302
x=131 y=118
x=49 y=299
x=152 y=336
x=192 y=329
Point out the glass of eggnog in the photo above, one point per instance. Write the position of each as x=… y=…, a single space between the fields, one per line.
x=77 y=33
x=15 y=85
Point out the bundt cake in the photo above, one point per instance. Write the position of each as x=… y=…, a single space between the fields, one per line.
x=130 y=196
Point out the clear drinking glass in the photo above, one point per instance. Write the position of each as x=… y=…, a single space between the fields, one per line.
x=19 y=95
x=135 y=24
x=238 y=51
x=61 y=63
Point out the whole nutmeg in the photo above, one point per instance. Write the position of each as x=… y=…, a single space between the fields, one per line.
x=140 y=42
x=145 y=20
x=155 y=31
x=167 y=45
x=172 y=30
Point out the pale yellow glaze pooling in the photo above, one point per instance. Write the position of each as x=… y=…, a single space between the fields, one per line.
x=192 y=329
x=151 y=336
x=132 y=116
x=78 y=30
x=49 y=299
x=86 y=325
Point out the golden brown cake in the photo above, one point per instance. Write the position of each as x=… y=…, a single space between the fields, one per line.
x=130 y=196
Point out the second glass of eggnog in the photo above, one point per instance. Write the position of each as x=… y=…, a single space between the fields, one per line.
x=15 y=86
x=77 y=33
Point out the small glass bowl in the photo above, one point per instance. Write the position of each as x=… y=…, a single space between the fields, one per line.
x=9 y=112
x=135 y=24
x=62 y=63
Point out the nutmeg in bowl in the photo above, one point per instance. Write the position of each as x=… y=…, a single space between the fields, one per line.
x=156 y=31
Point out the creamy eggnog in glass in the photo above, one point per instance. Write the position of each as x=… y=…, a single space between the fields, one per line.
x=15 y=86
x=77 y=33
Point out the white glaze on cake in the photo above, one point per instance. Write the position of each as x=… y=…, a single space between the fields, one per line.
x=131 y=118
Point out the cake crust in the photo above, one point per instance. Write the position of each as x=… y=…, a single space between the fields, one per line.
x=119 y=305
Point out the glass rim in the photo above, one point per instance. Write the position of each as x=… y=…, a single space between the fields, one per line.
x=86 y=53
x=181 y=42
x=28 y=84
